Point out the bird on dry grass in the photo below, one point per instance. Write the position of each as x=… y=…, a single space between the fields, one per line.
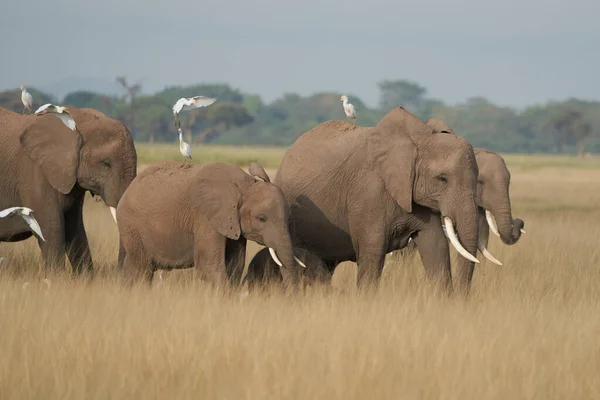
x=26 y=99
x=25 y=213
x=60 y=112
x=184 y=148
x=184 y=104
x=349 y=109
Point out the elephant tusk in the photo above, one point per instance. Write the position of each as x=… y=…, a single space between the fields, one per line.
x=523 y=230
x=487 y=254
x=299 y=262
x=113 y=212
x=491 y=223
x=274 y=257
x=454 y=240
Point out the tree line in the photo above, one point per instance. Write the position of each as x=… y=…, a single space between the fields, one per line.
x=569 y=126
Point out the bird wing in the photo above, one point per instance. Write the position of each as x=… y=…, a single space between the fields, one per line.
x=179 y=105
x=66 y=118
x=33 y=224
x=199 y=101
x=27 y=99
x=350 y=110
x=12 y=210
x=43 y=108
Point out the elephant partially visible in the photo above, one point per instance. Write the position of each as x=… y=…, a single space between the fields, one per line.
x=49 y=167
x=493 y=198
x=263 y=271
x=177 y=215
x=357 y=193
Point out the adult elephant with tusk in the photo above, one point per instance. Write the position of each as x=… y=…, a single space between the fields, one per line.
x=48 y=167
x=357 y=193
x=177 y=215
x=493 y=198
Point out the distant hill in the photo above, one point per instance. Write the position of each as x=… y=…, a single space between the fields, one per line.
x=61 y=88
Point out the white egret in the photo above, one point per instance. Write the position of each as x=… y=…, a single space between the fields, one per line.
x=184 y=148
x=26 y=214
x=60 y=112
x=184 y=104
x=349 y=109
x=26 y=99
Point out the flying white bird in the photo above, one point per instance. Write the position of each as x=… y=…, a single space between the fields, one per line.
x=349 y=109
x=26 y=99
x=184 y=148
x=60 y=112
x=26 y=214
x=184 y=104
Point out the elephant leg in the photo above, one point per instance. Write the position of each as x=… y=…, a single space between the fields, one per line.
x=435 y=254
x=53 y=249
x=137 y=269
x=370 y=257
x=235 y=259
x=77 y=246
x=121 y=256
x=209 y=257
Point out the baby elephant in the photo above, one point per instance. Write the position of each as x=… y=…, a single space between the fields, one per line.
x=176 y=215
x=263 y=271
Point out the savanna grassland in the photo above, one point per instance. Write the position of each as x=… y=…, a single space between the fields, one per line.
x=530 y=329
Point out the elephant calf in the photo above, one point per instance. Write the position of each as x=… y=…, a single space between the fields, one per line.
x=263 y=271
x=176 y=215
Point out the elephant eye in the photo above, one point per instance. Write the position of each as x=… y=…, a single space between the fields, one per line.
x=261 y=218
x=442 y=178
x=106 y=163
x=480 y=182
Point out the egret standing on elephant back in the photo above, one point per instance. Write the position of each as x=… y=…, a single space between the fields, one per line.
x=26 y=99
x=349 y=109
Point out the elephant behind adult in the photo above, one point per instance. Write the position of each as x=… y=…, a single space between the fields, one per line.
x=177 y=215
x=493 y=197
x=49 y=167
x=357 y=193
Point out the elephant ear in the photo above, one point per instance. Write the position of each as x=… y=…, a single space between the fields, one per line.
x=55 y=148
x=219 y=198
x=392 y=153
x=439 y=126
x=257 y=171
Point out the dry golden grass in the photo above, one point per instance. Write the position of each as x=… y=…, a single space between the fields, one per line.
x=530 y=330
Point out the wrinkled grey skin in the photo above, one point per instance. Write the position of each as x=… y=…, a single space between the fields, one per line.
x=177 y=215
x=357 y=193
x=48 y=168
x=263 y=272
x=492 y=192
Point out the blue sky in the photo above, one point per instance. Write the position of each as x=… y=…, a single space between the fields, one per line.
x=512 y=52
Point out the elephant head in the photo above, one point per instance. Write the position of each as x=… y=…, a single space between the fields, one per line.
x=494 y=199
x=248 y=206
x=99 y=156
x=492 y=193
x=434 y=170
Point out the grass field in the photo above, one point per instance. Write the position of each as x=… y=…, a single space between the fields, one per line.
x=530 y=330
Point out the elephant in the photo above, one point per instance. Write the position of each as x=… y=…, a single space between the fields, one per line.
x=176 y=215
x=263 y=271
x=358 y=193
x=48 y=167
x=493 y=197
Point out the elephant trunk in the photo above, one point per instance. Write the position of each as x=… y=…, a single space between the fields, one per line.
x=461 y=225
x=282 y=252
x=507 y=228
